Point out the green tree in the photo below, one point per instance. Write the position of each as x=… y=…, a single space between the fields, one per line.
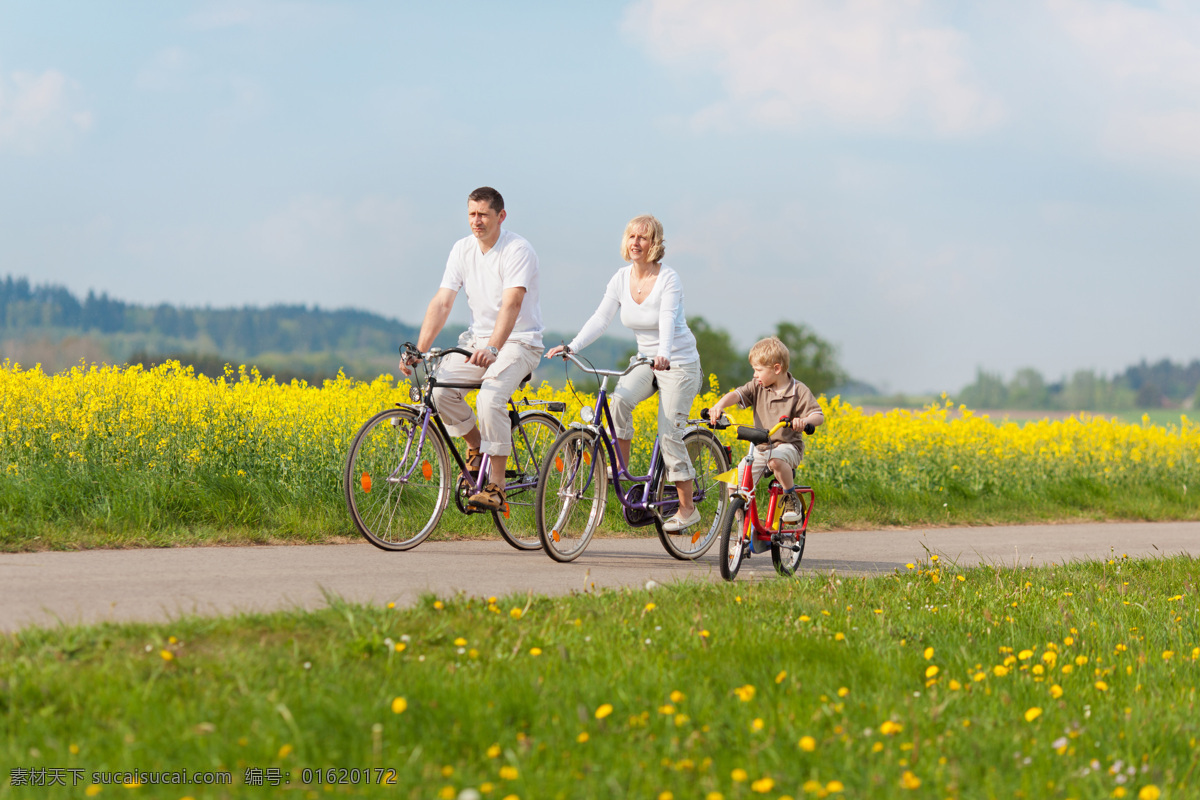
x=988 y=391
x=718 y=356
x=1028 y=390
x=814 y=361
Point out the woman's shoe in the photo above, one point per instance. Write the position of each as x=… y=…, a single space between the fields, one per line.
x=678 y=522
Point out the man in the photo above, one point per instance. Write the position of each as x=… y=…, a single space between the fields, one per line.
x=499 y=271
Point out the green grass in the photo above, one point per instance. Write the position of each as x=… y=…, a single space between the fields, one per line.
x=801 y=688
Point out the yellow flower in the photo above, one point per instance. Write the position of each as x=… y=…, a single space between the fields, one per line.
x=439 y=605
x=650 y=607
x=1056 y=691
x=909 y=781
x=582 y=737
x=999 y=670
x=508 y=773
x=604 y=710
x=808 y=744
x=745 y=693
x=1149 y=792
x=739 y=775
x=889 y=727
x=781 y=676
x=763 y=785
x=493 y=751
x=842 y=691
x=833 y=787
x=285 y=751
x=666 y=795
x=167 y=655
x=515 y=612
x=535 y=651
x=757 y=724
x=399 y=705
x=460 y=642
x=1102 y=686
x=931 y=670
x=928 y=653
x=677 y=696
x=1032 y=713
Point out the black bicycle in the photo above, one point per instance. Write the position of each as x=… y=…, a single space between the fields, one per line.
x=399 y=479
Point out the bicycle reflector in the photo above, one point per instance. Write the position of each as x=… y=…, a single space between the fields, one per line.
x=427 y=469
x=365 y=481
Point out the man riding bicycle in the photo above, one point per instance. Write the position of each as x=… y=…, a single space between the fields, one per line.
x=499 y=272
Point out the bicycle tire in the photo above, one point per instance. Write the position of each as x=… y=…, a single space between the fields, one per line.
x=733 y=530
x=787 y=546
x=532 y=437
x=395 y=493
x=709 y=460
x=568 y=510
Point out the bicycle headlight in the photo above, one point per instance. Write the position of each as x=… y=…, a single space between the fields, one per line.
x=586 y=414
x=414 y=394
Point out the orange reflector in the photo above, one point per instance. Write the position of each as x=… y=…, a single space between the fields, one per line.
x=558 y=465
x=696 y=536
x=554 y=535
x=587 y=458
x=506 y=510
x=427 y=469
x=366 y=482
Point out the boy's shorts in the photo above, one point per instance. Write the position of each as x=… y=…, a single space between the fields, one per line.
x=789 y=454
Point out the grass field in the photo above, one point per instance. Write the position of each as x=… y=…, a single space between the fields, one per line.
x=1076 y=681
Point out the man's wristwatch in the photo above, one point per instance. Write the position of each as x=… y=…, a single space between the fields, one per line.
x=495 y=352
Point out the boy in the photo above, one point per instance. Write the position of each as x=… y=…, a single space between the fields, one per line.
x=775 y=394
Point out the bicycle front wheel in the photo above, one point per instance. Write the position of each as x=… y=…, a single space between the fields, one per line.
x=531 y=440
x=709 y=460
x=571 y=491
x=733 y=533
x=787 y=546
x=396 y=485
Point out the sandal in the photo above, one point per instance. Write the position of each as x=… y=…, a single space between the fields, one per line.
x=490 y=499
x=466 y=480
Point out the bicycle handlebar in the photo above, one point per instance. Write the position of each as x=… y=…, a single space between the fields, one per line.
x=410 y=349
x=610 y=372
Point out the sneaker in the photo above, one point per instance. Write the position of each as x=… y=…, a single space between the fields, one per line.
x=678 y=523
x=490 y=499
x=791 y=508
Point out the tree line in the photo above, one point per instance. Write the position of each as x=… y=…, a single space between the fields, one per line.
x=313 y=343
x=1163 y=384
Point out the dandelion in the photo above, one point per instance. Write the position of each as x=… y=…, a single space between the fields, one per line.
x=931 y=670
x=739 y=775
x=842 y=691
x=1149 y=792
x=1056 y=691
x=582 y=737
x=666 y=795
x=757 y=724
x=999 y=670
x=508 y=773
x=812 y=787
x=604 y=710
x=833 y=787
x=808 y=744
x=459 y=642
x=745 y=693
x=493 y=751
x=677 y=696
x=439 y=605
x=167 y=655
x=650 y=607
x=781 y=676
x=535 y=651
x=1032 y=713
x=1101 y=686
x=285 y=751
x=909 y=781
x=763 y=785
x=889 y=727
x=399 y=705
x=928 y=653
x=515 y=612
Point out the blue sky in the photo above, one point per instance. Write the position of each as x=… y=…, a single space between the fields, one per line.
x=933 y=186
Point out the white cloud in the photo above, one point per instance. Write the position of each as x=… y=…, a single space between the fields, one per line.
x=875 y=65
x=1144 y=62
x=38 y=111
x=164 y=70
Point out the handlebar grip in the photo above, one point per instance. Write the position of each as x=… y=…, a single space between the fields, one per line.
x=809 y=428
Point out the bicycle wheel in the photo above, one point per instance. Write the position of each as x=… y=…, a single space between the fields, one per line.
x=396 y=486
x=733 y=531
x=569 y=507
x=517 y=521
x=787 y=547
x=709 y=460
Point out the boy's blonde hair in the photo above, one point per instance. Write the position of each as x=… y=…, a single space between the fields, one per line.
x=658 y=245
x=770 y=351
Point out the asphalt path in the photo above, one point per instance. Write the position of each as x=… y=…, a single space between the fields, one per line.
x=69 y=588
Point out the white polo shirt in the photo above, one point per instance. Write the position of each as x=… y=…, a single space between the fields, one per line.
x=485 y=276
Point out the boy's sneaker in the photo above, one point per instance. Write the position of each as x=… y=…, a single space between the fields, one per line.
x=791 y=508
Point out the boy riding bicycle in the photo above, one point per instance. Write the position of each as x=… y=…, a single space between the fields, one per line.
x=775 y=394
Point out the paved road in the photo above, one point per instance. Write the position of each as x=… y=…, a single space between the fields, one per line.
x=121 y=585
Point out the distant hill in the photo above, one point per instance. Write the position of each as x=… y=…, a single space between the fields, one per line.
x=49 y=325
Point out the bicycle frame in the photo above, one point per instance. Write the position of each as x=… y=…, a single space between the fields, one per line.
x=754 y=528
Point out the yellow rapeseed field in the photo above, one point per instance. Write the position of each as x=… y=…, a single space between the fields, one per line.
x=168 y=421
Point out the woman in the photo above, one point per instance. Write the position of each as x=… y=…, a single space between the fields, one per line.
x=650 y=298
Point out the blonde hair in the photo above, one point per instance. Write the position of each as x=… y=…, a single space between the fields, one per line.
x=770 y=351
x=658 y=245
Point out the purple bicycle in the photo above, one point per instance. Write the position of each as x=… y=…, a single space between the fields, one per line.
x=573 y=486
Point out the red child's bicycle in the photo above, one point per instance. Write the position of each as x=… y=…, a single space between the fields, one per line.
x=743 y=532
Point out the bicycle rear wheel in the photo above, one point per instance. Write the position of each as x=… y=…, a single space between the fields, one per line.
x=733 y=531
x=396 y=486
x=709 y=460
x=571 y=492
x=531 y=439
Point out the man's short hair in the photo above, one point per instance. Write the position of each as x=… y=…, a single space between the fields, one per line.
x=658 y=245
x=486 y=194
x=770 y=351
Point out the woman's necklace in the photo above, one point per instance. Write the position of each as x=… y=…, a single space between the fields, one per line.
x=640 y=285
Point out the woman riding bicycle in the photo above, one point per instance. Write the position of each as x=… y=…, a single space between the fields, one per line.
x=650 y=298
